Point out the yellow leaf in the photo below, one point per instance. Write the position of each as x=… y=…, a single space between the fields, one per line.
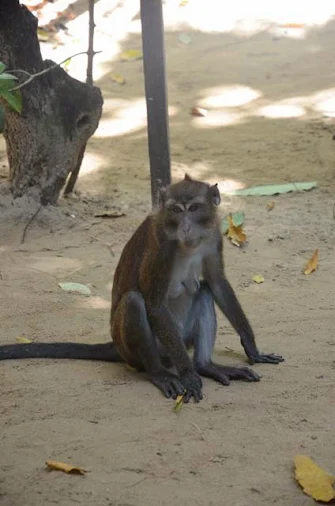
x=312 y=263
x=183 y=3
x=178 y=404
x=118 y=78
x=66 y=468
x=24 y=340
x=315 y=482
x=270 y=206
x=235 y=233
x=258 y=278
x=131 y=54
x=130 y=368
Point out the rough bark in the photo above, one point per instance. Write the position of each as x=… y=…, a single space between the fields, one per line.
x=59 y=113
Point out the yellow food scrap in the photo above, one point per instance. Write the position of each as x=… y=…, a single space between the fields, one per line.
x=258 y=278
x=24 y=340
x=178 y=404
x=270 y=206
x=66 y=468
x=131 y=54
x=312 y=263
x=315 y=482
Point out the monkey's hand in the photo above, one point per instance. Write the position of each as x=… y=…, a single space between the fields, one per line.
x=193 y=384
x=271 y=358
x=168 y=383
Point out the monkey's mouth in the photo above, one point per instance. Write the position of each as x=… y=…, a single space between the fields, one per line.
x=191 y=243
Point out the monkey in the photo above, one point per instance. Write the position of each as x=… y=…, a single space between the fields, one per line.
x=169 y=278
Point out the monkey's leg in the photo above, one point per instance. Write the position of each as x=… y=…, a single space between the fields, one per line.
x=132 y=333
x=203 y=328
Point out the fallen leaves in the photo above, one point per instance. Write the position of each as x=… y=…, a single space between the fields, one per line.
x=109 y=214
x=75 y=288
x=117 y=78
x=314 y=480
x=198 y=111
x=232 y=227
x=23 y=340
x=62 y=466
x=258 y=278
x=312 y=263
x=270 y=206
x=131 y=55
x=273 y=189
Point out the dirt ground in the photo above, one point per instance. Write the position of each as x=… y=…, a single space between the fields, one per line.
x=271 y=107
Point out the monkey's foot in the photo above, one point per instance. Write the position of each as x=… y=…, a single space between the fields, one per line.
x=168 y=383
x=193 y=384
x=223 y=374
x=271 y=358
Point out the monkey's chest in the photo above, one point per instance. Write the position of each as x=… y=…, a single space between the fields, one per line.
x=184 y=284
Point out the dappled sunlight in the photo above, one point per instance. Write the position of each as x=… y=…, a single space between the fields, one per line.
x=228 y=96
x=248 y=18
x=112 y=20
x=92 y=162
x=124 y=116
x=275 y=111
x=228 y=186
x=96 y=302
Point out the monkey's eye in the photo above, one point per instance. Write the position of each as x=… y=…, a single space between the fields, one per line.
x=176 y=209
x=193 y=207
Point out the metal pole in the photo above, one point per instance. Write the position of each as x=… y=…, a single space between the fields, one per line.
x=156 y=95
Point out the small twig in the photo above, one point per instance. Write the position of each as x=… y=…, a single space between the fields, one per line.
x=89 y=80
x=29 y=223
x=38 y=74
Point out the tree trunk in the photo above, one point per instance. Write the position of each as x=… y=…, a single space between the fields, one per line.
x=59 y=113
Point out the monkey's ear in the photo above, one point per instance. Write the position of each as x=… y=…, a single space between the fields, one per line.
x=187 y=178
x=215 y=194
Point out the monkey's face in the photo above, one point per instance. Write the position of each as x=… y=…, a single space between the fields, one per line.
x=188 y=212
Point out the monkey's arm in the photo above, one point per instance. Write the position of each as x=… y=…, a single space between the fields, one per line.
x=226 y=299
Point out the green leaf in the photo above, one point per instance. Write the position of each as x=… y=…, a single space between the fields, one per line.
x=13 y=99
x=238 y=219
x=273 y=189
x=2 y=119
x=2 y=67
x=75 y=287
x=7 y=77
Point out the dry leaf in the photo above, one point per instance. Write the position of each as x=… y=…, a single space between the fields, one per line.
x=131 y=54
x=312 y=263
x=24 y=340
x=178 y=404
x=235 y=233
x=270 y=206
x=258 y=278
x=76 y=288
x=130 y=368
x=315 y=482
x=118 y=78
x=66 y=468
x=197 y=111
x=109 y=214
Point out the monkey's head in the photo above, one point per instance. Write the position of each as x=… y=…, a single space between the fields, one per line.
x=188 y=211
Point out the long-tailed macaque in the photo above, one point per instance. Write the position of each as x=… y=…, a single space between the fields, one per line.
x=166 y=284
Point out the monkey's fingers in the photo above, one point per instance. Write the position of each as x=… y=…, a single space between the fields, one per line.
x=242 y=373
x=193 y=384
x=270 y=358
x=168 y=383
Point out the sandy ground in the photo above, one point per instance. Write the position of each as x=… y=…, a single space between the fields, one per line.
x=270 y=120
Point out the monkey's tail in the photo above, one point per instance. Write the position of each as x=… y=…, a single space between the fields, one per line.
x=104 y=351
